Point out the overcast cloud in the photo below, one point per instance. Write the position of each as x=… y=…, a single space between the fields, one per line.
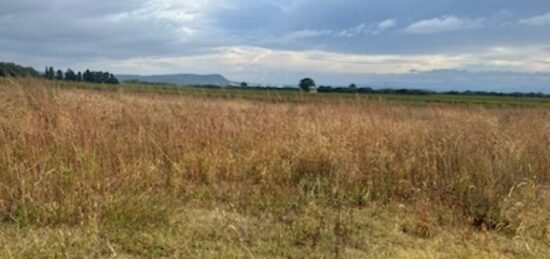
x=270 y=41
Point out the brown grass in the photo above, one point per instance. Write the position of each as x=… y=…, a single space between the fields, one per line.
x=127 y=162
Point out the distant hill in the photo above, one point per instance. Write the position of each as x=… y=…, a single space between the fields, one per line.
x=179 y=79
x=11 y=69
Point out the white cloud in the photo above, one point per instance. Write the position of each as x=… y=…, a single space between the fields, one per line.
x=443 y=24
x=352 y=32
x=187 y=17
x=247 y=59
x=246 y=62
x=168 y=36
x=298 y=35
x=302 y=34
x=285 y=6
x=385 y=25
x=540 y=20
x=372 y=29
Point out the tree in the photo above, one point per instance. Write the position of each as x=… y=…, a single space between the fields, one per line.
x=79 y=76
x=244 y=84
x=59 y=75
x=105 y=77
x=112 y=80
x=51 y=74
x=70 y=75
x=97 y=77
x=307 y=84
x=353 y=87
x=14 y=70
x=87 y=77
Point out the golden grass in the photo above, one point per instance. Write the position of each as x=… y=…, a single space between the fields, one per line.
x=145 y=174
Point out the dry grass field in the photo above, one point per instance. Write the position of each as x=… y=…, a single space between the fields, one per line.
x=91 y=173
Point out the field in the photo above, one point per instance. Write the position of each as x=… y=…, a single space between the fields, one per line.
x=285 y=95
x=131 y=172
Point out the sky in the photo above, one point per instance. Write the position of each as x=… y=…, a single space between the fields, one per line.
x=437 y=44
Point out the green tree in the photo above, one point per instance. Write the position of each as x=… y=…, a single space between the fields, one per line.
x=97 y=77
x=51 y=73
x=112 y=80
x=87 y=76
x=11 y=69
x=244 y=84
x=105 y=77
x=70 y=75
x=59 y=75
x=307 y=84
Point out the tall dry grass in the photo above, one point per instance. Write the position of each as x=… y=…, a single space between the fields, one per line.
x=69 y=156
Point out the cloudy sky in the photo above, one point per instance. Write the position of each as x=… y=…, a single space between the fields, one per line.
x=280 y=41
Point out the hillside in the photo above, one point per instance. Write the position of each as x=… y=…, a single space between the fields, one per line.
x=179 y=79
x=11 y=69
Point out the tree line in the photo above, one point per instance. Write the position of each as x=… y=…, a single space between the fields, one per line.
x=87 y=76
x=14 y=70
x=308 y=85
x=368 y=90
